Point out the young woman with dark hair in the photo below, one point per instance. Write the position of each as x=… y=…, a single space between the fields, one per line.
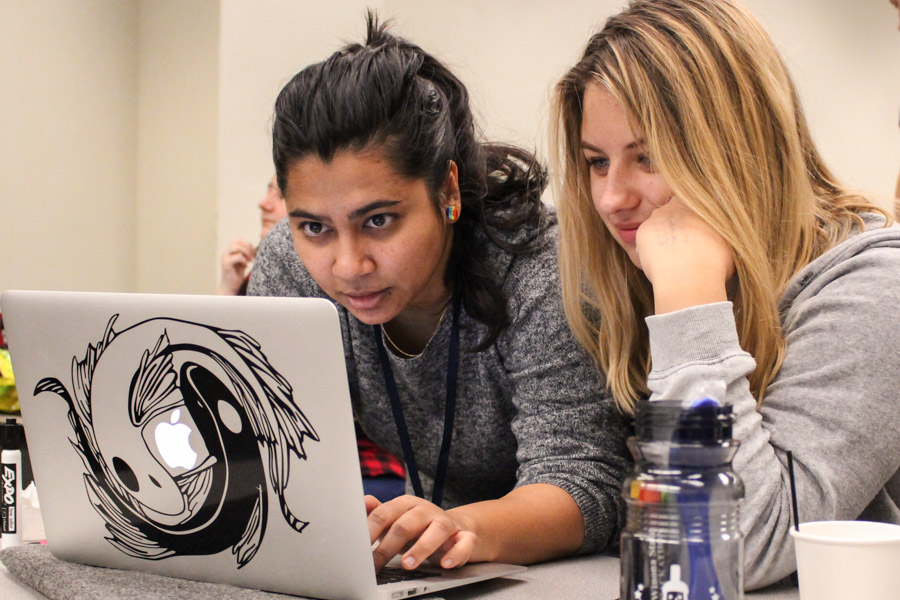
x=442 y=260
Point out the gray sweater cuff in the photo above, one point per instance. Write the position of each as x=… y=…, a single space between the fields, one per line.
x=702 y=334
x=599 y=524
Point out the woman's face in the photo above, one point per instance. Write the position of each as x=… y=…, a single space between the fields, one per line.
x=371 y=238
x=625 y=186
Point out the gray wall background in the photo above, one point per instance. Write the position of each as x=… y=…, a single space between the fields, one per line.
x=134 y=134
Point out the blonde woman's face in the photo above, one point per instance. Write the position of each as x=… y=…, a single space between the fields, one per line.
x=625 y=186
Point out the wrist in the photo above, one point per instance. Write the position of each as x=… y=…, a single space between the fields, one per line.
x=228 y=287
x=685 y=292
x=467 y=520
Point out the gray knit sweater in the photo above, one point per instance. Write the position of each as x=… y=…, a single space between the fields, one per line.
x=530 y=408
x=835 y=403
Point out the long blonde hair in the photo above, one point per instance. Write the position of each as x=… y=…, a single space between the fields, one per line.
x=703 y=84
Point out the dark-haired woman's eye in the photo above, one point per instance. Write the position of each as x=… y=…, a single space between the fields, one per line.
x=313 y=228
x=379 y=221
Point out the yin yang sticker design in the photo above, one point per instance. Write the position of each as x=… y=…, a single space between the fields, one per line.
x=174 y=460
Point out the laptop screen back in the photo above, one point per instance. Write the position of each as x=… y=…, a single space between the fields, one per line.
x=195 y=436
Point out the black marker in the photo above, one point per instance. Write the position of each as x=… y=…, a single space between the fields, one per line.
x=11 y=482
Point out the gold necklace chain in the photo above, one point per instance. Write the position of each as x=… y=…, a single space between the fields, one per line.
x=400 y=350
x=395 y=347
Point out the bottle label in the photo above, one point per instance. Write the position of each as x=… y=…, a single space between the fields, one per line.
x=9 y=482
x=680 y=570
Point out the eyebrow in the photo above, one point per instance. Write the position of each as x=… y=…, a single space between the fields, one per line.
x=632 y=146
x=359 y=212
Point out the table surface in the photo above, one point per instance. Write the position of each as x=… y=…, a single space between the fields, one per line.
x=582 y=577
x=595 y=577
x=13 y=589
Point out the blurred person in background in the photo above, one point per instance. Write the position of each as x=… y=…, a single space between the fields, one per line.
x=240 y=253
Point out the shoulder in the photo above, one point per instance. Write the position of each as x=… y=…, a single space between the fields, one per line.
x=873 y=237
x=530 y=281
x=537 y=240
x=857 y=280
x=526 y=276
x=872 y=255
x=539 y=267
x=531 y=221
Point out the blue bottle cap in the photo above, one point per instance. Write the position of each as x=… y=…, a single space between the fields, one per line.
x=704 y=422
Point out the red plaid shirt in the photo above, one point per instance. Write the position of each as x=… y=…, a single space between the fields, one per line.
x=374 y=461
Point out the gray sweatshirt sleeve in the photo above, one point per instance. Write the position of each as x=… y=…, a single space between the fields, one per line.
x=277 y=270
x=568 y=430
x=834 y=403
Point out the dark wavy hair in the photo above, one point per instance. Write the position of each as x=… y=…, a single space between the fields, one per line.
x=391 y=94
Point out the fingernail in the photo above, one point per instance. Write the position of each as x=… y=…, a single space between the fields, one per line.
x=447 y=563
x=409 y=562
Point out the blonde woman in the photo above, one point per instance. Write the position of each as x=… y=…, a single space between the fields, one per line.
x=704 y=242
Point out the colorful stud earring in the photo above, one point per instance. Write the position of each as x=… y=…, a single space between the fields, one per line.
x=452 y=213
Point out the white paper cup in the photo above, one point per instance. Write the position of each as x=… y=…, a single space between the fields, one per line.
x=842 y=560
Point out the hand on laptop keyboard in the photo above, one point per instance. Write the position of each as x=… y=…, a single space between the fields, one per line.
x=422 y=527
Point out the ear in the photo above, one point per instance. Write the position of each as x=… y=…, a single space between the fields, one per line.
x=450 y=189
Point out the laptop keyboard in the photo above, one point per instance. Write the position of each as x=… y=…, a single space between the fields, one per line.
x=395 y=574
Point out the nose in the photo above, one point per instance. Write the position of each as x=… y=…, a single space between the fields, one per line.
x=352 y=260
x=616 y=192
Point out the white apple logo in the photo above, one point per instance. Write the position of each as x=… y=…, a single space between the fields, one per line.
x=172 y=442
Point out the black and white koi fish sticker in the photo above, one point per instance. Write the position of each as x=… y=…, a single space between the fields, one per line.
x=201 y=405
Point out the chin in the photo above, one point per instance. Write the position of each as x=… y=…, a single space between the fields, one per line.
x=367 y=319
x=370 y=317
x=632 y=255
x=636 y=262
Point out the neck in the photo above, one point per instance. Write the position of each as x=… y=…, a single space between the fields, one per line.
x=411 y=330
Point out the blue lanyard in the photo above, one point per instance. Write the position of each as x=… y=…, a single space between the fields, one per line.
x=449 y=410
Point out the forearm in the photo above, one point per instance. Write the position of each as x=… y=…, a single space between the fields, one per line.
x=833 y=409
x=228 y=287
x=570 y=438
x=530 y=524
x=698 y=347
x=680 y=292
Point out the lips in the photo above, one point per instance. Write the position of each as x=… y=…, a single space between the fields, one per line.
x=364 y=300
x=628 y=232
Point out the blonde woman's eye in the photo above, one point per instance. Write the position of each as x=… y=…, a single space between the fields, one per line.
x=379 y=221
x=645 y=160
x=598 y=162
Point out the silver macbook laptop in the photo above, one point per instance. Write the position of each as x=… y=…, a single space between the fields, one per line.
x=201 y=437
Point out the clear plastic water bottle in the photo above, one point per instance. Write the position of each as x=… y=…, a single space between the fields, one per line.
x=682 y=539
